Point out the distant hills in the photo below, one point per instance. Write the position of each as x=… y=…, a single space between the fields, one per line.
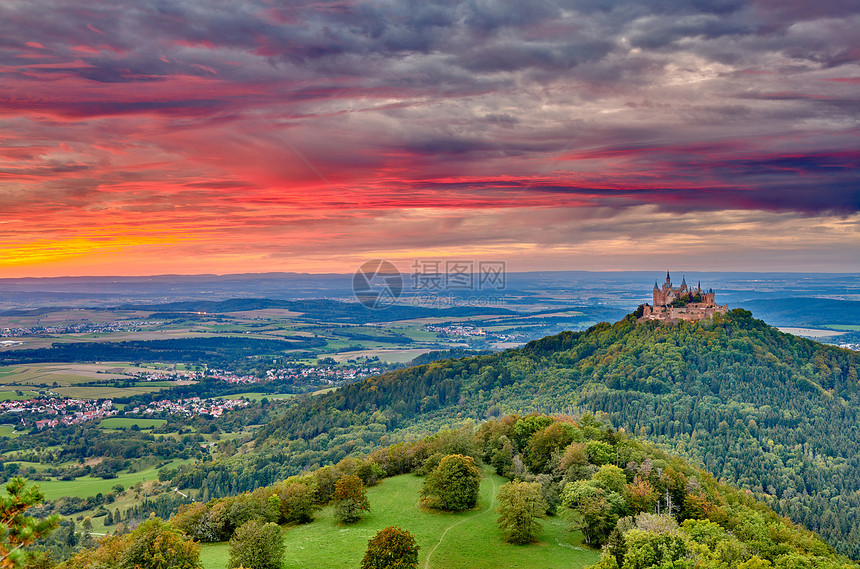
x=777 y=414
x=804 y=311
x=621 y=290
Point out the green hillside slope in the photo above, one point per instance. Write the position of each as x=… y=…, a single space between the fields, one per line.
x=774 y=413
x=585 y=482
x=446 y=540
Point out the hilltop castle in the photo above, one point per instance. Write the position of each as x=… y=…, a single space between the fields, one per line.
x=682 y=303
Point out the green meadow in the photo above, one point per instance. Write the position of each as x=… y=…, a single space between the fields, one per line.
x=128 y=422
x=86 y=486
x=17 y=395
x=260 y=396
x=447 y=541
x=9 y=431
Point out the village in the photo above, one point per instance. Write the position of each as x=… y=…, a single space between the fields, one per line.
x=81 y=328
x=454 y=330
x=214 y=407
x=331 y=374
x=61 y=411
x=49 y=412
x=470 y=332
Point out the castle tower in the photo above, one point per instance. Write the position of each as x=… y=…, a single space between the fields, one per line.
x=665 y=306
x=656 y=296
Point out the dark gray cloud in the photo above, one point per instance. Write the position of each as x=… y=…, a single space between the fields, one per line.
x=675 y=106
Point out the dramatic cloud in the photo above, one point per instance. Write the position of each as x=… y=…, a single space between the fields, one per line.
x=142 y=137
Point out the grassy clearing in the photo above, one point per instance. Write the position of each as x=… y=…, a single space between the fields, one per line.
x=9 y=431
x=127 y=422
x=844 y=327
x=452 y=541
x=258 y=396
x=86 y=486
x=14 y=396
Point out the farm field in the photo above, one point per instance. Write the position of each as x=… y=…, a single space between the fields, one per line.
x=447 y=541
x=66 y=374
x=59 y=326
x=844 y=327
x=102 y=392
x=809 y=332
x=128 y=422
x=388 y=355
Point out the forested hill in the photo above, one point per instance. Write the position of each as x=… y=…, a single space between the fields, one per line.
x=775 y=413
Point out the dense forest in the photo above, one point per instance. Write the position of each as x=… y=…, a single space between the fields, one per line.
x=769 y=411
x=646 y=508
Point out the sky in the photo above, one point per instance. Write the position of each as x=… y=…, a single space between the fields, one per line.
x=239 y=136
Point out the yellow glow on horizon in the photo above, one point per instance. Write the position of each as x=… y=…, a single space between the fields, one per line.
x=525 y=239
x=50 y=251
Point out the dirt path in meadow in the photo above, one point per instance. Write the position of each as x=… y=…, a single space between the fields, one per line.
x=455 y=524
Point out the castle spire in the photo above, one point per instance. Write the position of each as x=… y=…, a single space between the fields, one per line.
x=668 y=278
x=655 y=286
x=684 y=280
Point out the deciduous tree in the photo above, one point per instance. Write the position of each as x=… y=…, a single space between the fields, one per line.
x=521 y=504
x=350 y=499
x=155 y=544
x=454 y=485
x=391 y=548
x=257 y=545
x=296 y=502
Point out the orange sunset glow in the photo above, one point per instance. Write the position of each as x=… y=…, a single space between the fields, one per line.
x=140 y=139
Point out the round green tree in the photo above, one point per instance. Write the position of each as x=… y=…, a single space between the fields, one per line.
x=257 y=545
x=453 y=485
x=391 y=548
x=350 y=499
x=520 y=506
x=155 y=544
